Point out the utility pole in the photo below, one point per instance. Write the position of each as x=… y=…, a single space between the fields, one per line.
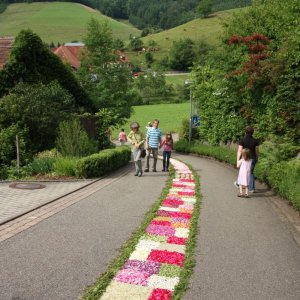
x=188 y=81
x=18 y=154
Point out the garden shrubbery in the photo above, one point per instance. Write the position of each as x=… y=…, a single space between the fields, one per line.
x=282 y=175
x=100 y=163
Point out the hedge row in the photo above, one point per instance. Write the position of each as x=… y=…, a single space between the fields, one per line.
x=283 y=176
x=103 y=162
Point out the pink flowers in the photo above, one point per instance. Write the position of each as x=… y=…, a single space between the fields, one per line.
x=167 y=257
x=158 y=258
x=172 y=203
x=160 y=294
x=174 y=214
x=160 y=230
x=176 y=240
x=132 y=277
x=149 y=267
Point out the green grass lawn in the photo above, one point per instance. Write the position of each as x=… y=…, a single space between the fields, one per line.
x=57 y=21
x=208 y=30
x=177 y=79
x=169 y=115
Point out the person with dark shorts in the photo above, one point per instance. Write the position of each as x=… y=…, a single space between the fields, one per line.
x=249 y=142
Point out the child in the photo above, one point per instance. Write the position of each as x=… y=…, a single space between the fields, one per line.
x=244 y=164
x=122 y=137
x=167 y=145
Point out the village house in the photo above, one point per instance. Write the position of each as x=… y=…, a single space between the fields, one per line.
x=69 y=53
x=6 y=44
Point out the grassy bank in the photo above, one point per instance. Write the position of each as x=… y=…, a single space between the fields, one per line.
x=283 y=176
x=57 y=21
x=169 y=115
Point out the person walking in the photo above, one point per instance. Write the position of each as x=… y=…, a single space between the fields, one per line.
x=153 y=141
x=122 y=137
x=137 y=140
x=167 y=146
x=244 y=164
x=249 y=142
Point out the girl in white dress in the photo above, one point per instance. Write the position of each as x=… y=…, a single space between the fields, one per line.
x=244 y=164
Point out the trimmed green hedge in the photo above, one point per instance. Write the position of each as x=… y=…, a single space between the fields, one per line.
x=283 y=176
x=220 y=153
x=103 y=162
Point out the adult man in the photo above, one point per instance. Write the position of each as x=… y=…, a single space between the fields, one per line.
x=153 y=141
x=249 y=142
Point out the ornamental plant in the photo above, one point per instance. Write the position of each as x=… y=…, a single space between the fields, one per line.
x=257 y=47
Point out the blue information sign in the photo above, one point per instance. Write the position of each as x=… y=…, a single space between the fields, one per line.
x=196 y=121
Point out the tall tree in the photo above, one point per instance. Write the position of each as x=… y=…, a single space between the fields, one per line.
x=107 y=80
x=31 y=61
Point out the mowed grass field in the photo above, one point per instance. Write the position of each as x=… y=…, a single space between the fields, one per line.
x=169 y=115
x=177 y=79
x=57 y=21
x=208 y=30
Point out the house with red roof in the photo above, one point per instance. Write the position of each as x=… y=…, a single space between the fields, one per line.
x=6 y=44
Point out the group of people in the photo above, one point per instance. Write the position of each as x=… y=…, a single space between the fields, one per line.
x=148 y=144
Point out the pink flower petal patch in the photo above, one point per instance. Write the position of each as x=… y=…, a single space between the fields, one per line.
x=132 y=277
x=160 y=230
x=176 y=240
x=164 y=256
x=160 y=294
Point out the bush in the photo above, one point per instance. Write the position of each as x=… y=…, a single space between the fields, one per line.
x=65 y=166
x=8 y=151
x=224 y=154
x=43 y=165
x=72 y=140
x=282 y=176
x=103 y=162
x=43 y=162
x=39 y=108
x=184 y=131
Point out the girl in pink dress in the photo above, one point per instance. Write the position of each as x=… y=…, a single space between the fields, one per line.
x=122 y=137
x=244 y=164
x=167 y=145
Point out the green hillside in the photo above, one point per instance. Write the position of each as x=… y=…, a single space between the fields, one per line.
x=57 y=21
x=208 y=29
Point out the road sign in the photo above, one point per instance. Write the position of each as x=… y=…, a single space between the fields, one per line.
x=195 y=121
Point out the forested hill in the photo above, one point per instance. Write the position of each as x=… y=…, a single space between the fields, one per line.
x=163 y=14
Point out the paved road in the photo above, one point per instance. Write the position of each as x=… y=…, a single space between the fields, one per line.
x=57 y=258
x=244 y=249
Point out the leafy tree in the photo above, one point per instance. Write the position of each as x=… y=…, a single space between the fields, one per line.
x=182 y=54
x=153 y=85
x=39 y=108
x=136 y=43
x=257 y=81
x=72 y=140
x=149 y=59
x=119 y=44
x=152 y=44
x=205 y=8
x=107 y=80
x=31 y=61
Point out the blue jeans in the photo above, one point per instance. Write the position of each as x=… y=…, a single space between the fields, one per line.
x=166 y=160
x=252 y=179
